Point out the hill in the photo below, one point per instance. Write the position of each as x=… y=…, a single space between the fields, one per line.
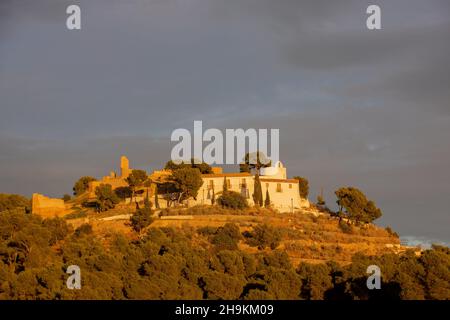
x=210 y=253
x=306 y=236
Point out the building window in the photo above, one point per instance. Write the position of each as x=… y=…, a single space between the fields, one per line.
x=290 y=185
x=279 y=187
x=267 y=186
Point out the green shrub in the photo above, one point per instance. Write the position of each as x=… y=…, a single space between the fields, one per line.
x=345 y=227
x=84 y=229
x=207 y=230
x=264 y=236
x=227 y=237
x=82 y=185
x=14 y=201
x=142 y=218
x=123 y=192
x=58 y=228
x=106 y=198
x=232 y=200
x=392 y=232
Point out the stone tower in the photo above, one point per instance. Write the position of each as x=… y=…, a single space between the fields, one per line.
x=124 y=167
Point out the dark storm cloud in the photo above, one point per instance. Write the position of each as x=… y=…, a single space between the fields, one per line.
x=354 y=107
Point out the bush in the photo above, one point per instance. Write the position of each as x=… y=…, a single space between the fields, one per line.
x=14 y=201
x=392 y=232
x=264 y=236
x=84 y=229
x=232 y=200
x=82 y=185
x=58 y=228
x=106 y=198
x=207 y=231
x=168 y=265
x=345 y=227
x=227 y=237
x=142 y=218
x=123 y=192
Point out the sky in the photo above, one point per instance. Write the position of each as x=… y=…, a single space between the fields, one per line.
x=355 y=107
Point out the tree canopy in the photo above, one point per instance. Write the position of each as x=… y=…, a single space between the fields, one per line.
x=254 y=161
x=186 y=182
x=203 y=166
x=105 y=197
x=135 y=180
x=303 y=186
x=354 y=205
x=168 y=263
x=257 y=192
x=232 y=200
x=14 y=201
x=82 y=185
x=142 y=218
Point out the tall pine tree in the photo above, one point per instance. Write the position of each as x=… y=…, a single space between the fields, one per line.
x=225 y=185
x=267 y=201
x=156 y=197
x=257 y=193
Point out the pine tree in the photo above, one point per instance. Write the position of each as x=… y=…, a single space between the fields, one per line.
x=225 y=186
x=147 y=204
x=213 y=198
x=257 y=194
x=267 y=201
x=156 y=197
x=320 y=200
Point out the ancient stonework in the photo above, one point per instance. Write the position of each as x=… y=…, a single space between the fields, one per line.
x=47 y=207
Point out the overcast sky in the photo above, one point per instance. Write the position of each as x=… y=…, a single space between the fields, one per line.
x=354 y=107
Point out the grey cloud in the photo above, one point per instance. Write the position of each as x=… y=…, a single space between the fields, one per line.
x=354 y=107
x=52 y=166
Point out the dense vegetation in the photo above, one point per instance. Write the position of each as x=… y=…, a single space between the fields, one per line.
x=303 y=186
x=14 y=201
x=105 y=198
x=202 y=166
x=81 y=185
x=167 y=263
x=232 y=200
x=354 y=206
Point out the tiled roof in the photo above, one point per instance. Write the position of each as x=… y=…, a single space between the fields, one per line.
x=278 y=180
x=246 y=174
x=232 y=174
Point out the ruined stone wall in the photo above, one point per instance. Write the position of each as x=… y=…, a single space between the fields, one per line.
x=47 y=207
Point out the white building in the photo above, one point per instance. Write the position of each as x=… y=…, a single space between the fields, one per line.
x=283 y=192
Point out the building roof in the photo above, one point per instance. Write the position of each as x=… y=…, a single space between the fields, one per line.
x=231 y=174
x=278 y=180
x=246 y=174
